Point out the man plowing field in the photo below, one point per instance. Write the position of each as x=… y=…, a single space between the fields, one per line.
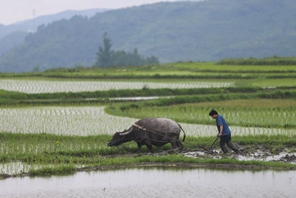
x=224 y=133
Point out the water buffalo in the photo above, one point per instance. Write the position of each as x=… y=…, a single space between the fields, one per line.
x=151 y=131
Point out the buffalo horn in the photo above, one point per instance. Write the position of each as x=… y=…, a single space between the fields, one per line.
x=125 y=132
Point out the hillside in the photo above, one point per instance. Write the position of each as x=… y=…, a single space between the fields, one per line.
x=31 y=25
x=11 y=40
x=14 y=34
x=181 y=31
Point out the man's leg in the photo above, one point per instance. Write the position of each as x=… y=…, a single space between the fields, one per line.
x=223 y=140
x=232 y=146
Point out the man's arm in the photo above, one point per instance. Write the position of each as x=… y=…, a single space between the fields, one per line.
x=220 y=130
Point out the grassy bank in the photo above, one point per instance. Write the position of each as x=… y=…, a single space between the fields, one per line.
x=228 y=68
x=57 y=155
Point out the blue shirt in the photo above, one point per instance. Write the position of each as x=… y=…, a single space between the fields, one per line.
x=220 y=120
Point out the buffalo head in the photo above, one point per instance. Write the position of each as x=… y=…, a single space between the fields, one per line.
x=121 y=137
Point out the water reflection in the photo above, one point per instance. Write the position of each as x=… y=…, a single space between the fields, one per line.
x=155 y=183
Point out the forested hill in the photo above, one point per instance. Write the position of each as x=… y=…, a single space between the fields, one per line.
x=181 y=31
x=14 y=34
x=32 y=24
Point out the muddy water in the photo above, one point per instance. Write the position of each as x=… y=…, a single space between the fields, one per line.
x=155 y=183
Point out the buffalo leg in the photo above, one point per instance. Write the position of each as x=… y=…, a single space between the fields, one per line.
x=139 y=146
x=179 y=144
x=174 y=144
x=148 y=144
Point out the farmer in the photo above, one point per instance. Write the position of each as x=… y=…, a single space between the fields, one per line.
x=223 y=132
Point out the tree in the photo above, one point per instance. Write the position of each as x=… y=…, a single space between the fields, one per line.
x=104 y=55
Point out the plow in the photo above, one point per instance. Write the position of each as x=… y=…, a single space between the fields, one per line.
x=209 y=150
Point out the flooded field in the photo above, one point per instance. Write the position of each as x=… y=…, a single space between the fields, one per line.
x=41 y=86
x=92 y=120
x=155 y=182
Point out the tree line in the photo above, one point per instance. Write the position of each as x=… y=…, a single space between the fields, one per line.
x=107 y=57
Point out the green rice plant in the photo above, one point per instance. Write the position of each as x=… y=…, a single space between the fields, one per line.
x=279 y=61
x=48 y=171
x=85 y=120
x=274 y=82
x=38 y=86
x=52 y=139
x=67 y=160
x=180 y=70
x=235 y=111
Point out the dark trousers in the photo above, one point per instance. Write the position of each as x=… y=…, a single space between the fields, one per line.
x=226 y=139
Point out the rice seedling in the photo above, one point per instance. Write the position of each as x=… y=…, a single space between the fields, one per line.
x=46 y=140
x=87 y=120
x=42 y=86
x=255 y=113
x=92 y=120
x=56 y=170
x=274 y=82
x=60 y=154
x=27 y=152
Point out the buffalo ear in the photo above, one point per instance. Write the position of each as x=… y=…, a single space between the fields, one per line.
x=125 y=132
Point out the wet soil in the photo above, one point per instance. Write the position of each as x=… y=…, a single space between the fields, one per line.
x=264 y=153
x=248 y=153
x=255 y=152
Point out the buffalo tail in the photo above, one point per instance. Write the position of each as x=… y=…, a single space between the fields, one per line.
x=183 y=132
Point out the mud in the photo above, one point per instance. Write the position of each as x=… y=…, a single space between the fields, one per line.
x=254 y=152
x=251 y=152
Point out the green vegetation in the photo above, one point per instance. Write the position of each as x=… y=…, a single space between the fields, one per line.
x=278 y=61
x=254 y=99
x=172 y=31
x=44 y=154
x=107 y=58
x=267 y=113
x=60 y=170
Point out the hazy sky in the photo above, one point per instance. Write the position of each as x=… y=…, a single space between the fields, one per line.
x=12 y=11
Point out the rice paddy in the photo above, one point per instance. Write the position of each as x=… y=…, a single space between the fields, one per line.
x=81 y=121
x=265 y=113
x=275 y=82
x=75 y=135
x=92 y=120
x=41 y=86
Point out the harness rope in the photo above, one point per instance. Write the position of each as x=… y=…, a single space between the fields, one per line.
x=146 y=130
